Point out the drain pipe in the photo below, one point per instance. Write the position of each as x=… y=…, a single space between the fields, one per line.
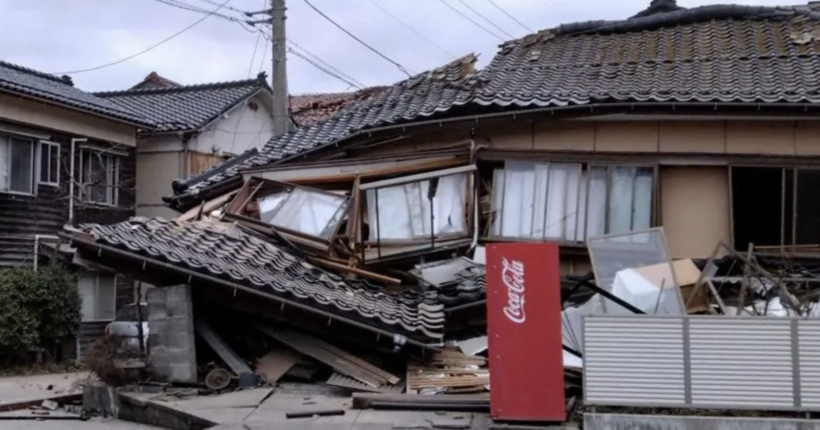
x=71 y=179
x=473 y=150
x=37 y=238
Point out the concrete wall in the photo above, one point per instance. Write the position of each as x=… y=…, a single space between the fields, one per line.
x=155 y=172
x=69 y=121
x=172 y=353
x=593 y=421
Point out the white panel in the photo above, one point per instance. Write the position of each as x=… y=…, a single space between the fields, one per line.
x=808 y=335
x=633 y=361
x=741 y=362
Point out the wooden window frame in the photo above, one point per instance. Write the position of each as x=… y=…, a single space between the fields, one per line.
x=52 y=182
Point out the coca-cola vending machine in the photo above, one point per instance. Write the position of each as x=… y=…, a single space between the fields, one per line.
x=524 y=330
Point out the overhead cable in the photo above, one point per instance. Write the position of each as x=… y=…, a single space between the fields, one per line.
x=510 y=16
x=319 y=66
x=156 y=45
x=407 y=26
x=362 y=42
x=465 y=16
x=487 y=20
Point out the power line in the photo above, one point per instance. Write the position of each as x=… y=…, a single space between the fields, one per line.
x=465 y=16
x=191 y=8
x=161 y=42
x=253 y=56
x=374 y=50
x=407 y=26
x=214 y=3
x=324 y=63
x=510 y=16
x=487 y=20
x=319 y=66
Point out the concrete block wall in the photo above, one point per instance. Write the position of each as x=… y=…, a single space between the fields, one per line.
x=601 y=421
x=172 y=353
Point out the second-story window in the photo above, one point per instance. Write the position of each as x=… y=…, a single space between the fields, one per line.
x=570 y=202
x=99 y=174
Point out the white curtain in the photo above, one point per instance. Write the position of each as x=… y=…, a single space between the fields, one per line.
x=302 y=210
x=404 y=211
x=4 y=163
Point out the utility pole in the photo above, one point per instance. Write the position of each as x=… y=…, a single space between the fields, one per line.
x=280 y=110
x=281 y=100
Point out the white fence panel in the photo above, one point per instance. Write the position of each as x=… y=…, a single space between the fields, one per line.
x=808 y=378
x=633 y=361
x=741 y=362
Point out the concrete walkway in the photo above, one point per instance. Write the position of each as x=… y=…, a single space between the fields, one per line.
x=263 y=409
x=18 y=388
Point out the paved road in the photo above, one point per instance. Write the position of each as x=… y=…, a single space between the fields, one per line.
x=93 y=424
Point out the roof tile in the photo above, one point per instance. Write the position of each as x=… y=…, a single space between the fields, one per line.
x=227 y=252
x=61 y=90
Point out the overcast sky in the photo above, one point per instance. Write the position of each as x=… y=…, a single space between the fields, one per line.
x=58 y=36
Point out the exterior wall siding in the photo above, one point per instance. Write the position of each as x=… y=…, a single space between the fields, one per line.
x=46 y=212
x=715 y=362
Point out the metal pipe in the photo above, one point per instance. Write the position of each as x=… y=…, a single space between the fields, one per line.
x=99 y=247
x=71 y=179
x=37 y=238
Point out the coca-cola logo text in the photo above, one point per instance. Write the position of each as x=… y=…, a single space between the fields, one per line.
x=513 y=275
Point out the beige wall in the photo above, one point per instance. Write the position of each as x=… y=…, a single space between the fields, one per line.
x=155 y=172
x=51 y=117
x=695 y=209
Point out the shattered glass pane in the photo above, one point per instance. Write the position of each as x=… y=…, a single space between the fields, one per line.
x=404 y=212
x=305 y=211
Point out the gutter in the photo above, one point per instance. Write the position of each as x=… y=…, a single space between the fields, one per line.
x=524 y=112
x=398 y=338
x=550 y=109
x=78 y=109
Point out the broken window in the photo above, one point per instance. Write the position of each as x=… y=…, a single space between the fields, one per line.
x=773 y=206
x=570 y=202
x=419 y=207
x=311 y=212
x=288 y=208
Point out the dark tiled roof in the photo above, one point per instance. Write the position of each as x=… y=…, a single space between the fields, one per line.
x=470 y=285
x=708 y=54
x=186 y=107
x=225 y=251
x=153 y=81
x=61 y=91
x=420 y=96
x=705 y=54
x=309 y=109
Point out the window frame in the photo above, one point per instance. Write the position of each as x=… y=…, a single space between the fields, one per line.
x=112 y=191
x=583 y=192
x=34 y=164
x=469 y=171
x=51 y=145
x=96 y=294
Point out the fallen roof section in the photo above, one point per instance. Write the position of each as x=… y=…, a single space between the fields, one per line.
x=422 y=95
x=224 y=252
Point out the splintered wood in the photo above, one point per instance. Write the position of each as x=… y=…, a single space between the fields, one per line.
x=450 y=371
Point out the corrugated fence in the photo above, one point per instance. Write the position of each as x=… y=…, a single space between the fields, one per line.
x=707 y=362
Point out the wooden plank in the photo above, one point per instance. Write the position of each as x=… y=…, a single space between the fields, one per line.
x=342 y=381
x=361 y=272
x=273 y=365
x=16 y=405
x=337 y=359
x=364 y=400
x=209 y=206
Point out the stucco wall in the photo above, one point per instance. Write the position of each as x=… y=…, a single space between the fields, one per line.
x=71 y=122
x=155 y=172
x=243 y=129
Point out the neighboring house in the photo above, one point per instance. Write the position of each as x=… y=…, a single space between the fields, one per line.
x=704 y=121
x=66 y=156
x=198 y=126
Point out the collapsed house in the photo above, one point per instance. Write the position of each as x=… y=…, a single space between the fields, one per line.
x=631 y=143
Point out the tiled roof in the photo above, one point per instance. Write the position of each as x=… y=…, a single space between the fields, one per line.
x=309 y=109
x=420 y=96
x=227 y=252
x=61 y=91
x=153 y=81
x=185 y=107
x=707 y=54
x=712 y=53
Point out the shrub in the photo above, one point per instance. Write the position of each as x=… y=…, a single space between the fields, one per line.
x=38 y=310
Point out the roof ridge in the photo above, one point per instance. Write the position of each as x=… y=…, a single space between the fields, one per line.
x=258 y=80
x=65 y=79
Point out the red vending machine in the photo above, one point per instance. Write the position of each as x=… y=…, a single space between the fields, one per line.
x=524 y=331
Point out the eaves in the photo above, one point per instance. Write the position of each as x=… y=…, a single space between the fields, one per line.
x=77 y=109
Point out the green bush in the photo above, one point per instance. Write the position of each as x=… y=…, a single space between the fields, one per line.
x=38 y=310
